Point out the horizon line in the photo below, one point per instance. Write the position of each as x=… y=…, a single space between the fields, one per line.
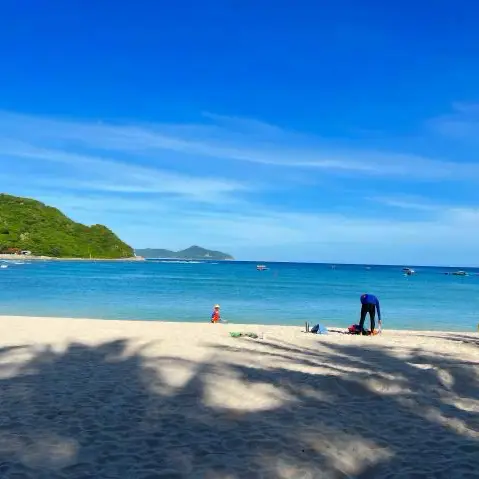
x=327 y=263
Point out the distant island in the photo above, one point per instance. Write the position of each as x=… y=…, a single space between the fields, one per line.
x=32 y=228
x=193 y=252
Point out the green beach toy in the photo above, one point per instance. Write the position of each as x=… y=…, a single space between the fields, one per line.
x=248 y=335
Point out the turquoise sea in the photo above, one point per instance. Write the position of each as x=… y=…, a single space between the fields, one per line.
x=287 y=293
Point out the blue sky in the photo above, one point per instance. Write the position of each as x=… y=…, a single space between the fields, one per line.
x=328 y=131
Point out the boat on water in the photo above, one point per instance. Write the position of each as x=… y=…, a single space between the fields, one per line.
x=408 y=271
x=457 y=273
x=261 y=267
x=4 y=266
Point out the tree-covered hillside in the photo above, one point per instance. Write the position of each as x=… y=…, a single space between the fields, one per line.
x=193 y=252
x=27 y=224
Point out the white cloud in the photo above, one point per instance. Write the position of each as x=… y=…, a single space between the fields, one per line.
x=93 y=173
x=231 y=139
x=463 y=216
x=118 y=175
x=461 y=124
x=410 y=203
x=447 y=237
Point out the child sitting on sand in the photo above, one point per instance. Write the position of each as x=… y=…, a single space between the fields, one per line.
x=215 y=315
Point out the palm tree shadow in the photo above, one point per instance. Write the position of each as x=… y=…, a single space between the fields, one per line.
x=471 y=339
x=111 y=411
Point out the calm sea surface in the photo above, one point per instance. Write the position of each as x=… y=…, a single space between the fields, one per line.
x=286 y=293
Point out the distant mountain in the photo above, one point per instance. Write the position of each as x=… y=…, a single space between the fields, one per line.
x=27 y=224
x=193 y=252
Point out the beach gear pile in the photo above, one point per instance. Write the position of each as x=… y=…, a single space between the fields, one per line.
x=355 y=329
x=317 y=329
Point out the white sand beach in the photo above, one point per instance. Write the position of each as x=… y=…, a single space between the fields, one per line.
x=131 y=399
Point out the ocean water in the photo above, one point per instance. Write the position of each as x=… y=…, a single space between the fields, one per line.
x=286 y=293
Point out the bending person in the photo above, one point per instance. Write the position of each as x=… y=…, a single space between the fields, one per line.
x=369 y=304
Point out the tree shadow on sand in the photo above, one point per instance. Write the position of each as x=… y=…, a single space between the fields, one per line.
x=460 y=338
x=111 y=411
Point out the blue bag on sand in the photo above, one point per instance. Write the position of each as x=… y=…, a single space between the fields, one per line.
x=319 y=329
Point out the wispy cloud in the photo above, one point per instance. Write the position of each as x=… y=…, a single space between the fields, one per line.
x=216 y=183
x=462 y=123
x=272 y=234
x=232 y=139
x=93 y=173
x=410 y=203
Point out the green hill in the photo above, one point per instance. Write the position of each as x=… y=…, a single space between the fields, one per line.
x=193 y=252
x=27 y=224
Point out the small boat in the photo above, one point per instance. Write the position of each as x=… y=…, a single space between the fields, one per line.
x=3 y=266
x=459 y=273
x=261 y=267
x=408 y=271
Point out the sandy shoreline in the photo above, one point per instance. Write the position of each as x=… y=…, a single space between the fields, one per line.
x=155 y=399
x=16 y=257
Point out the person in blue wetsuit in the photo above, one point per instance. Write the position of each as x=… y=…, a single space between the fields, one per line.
x=369 y=304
